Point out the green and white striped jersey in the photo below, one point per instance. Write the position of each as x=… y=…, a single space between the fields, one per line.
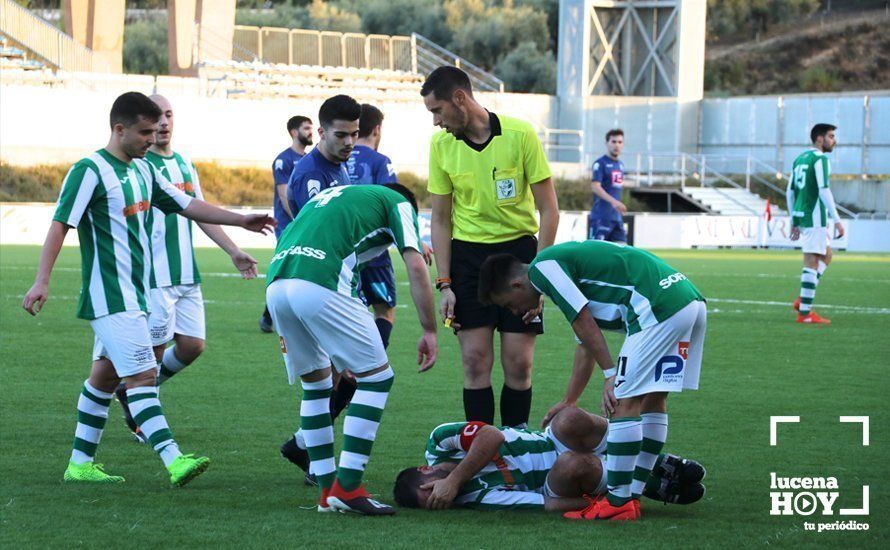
x=340 y=230
x=809 y=174
x=622 y=286
x=513 y=480
x=110 y=203
x=171 y=235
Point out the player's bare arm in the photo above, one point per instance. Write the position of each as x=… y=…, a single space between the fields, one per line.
x=483 y=450
x=597 y=189
x=594 y=344
x=201 y=211
x=243 y=261
x=440 y=230
x=422 y=294
x=39 y=292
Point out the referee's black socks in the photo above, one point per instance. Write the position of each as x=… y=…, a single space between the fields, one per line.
x=515 y=406
x=479 y=405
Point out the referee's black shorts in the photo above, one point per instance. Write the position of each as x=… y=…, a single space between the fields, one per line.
x=466 y=259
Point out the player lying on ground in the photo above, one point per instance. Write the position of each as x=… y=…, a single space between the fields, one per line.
x=312 y=297
x=108 y=196
x=474 y=465
x=601 y=284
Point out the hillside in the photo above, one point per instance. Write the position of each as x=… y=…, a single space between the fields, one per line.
x=822 y=55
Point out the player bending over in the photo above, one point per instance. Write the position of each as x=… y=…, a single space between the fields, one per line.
x=601 y=284
x=312 y=296
x=108 y=196
x=475 y=465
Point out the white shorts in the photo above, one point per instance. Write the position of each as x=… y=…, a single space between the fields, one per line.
x=319 y=327
x=665 y=357
x=814 y=240
x=123 y=338
x=176 y=310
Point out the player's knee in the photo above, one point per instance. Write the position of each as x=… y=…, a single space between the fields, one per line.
x=477 y=362
x=146 y=378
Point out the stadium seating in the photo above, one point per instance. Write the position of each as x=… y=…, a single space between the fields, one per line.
x=236 y=79
x=13 y=59
x=730 y=201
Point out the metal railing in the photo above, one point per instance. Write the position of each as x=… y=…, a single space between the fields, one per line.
x=46 y=41
x=559 y=143
x=322 y=48
x=430 y=55
x=708 y=170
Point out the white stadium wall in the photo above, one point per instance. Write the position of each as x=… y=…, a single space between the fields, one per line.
x=27 y=223
x=70 y=123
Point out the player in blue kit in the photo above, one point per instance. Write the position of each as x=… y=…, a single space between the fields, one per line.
x=299 y=128
x=324 y=167
x=604 y=221
x=365 y=166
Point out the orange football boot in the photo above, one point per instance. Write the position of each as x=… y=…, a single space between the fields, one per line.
x=812 y=318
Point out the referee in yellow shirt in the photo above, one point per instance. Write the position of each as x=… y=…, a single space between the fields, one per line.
x=488 y=175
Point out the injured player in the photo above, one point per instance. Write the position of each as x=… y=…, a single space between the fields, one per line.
x=562 y=468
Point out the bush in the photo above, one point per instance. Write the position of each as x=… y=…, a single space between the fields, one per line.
x=236 y=186
x=527 y=69
x=145 y=47
x=819 y=79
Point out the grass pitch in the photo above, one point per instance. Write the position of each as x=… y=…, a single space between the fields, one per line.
x=235 y=406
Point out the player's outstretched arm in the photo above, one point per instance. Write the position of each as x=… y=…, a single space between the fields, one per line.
x=595 y=346
x=201 y=211
x=484 y=443
x=422 y=294
x=243 y=261
x=39 y=292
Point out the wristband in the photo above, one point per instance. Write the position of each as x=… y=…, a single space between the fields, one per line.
x=443 y=283
x=609 y=373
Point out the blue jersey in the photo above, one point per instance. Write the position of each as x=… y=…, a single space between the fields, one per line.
x=282 y=167
x=311 y=175
x=610 y=173
x=365 y=165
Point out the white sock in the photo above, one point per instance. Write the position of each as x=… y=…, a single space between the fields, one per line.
x=169 y=365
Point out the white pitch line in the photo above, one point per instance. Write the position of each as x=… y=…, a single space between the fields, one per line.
x=857 y=309
x=780 y=276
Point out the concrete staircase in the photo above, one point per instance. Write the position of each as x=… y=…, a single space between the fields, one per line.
x=731 y=201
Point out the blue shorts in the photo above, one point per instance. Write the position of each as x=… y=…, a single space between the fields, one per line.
x=377 y=285
x=605 y=229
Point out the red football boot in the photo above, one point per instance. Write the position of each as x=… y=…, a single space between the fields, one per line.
x=323 y=501
x=812 y=318
x=602 y=509
x=357 y=501
x=796 y=305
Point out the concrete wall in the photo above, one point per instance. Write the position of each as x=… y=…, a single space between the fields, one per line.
x=776 y=129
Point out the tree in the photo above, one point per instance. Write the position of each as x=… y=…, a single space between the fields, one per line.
x=528 y=69
x=145 y=47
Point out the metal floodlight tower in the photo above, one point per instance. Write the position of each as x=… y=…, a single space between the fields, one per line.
x=638 y=48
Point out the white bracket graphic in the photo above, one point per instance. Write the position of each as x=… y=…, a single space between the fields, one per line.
x=864 y=421
x=774 y=421
x=858 y=511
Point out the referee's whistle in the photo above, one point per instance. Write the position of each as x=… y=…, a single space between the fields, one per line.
x=448 y=322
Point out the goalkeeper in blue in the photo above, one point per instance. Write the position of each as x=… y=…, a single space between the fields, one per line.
x=560 y=469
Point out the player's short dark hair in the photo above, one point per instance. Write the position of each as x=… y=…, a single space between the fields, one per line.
x=405 y=192
x=819 y=130
x=128 y=107
x=443 y=81
x=408 y=482
x=614 y=132
x=371 y=118
x=495 y=275
x=339 y=107
x=294 y=122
